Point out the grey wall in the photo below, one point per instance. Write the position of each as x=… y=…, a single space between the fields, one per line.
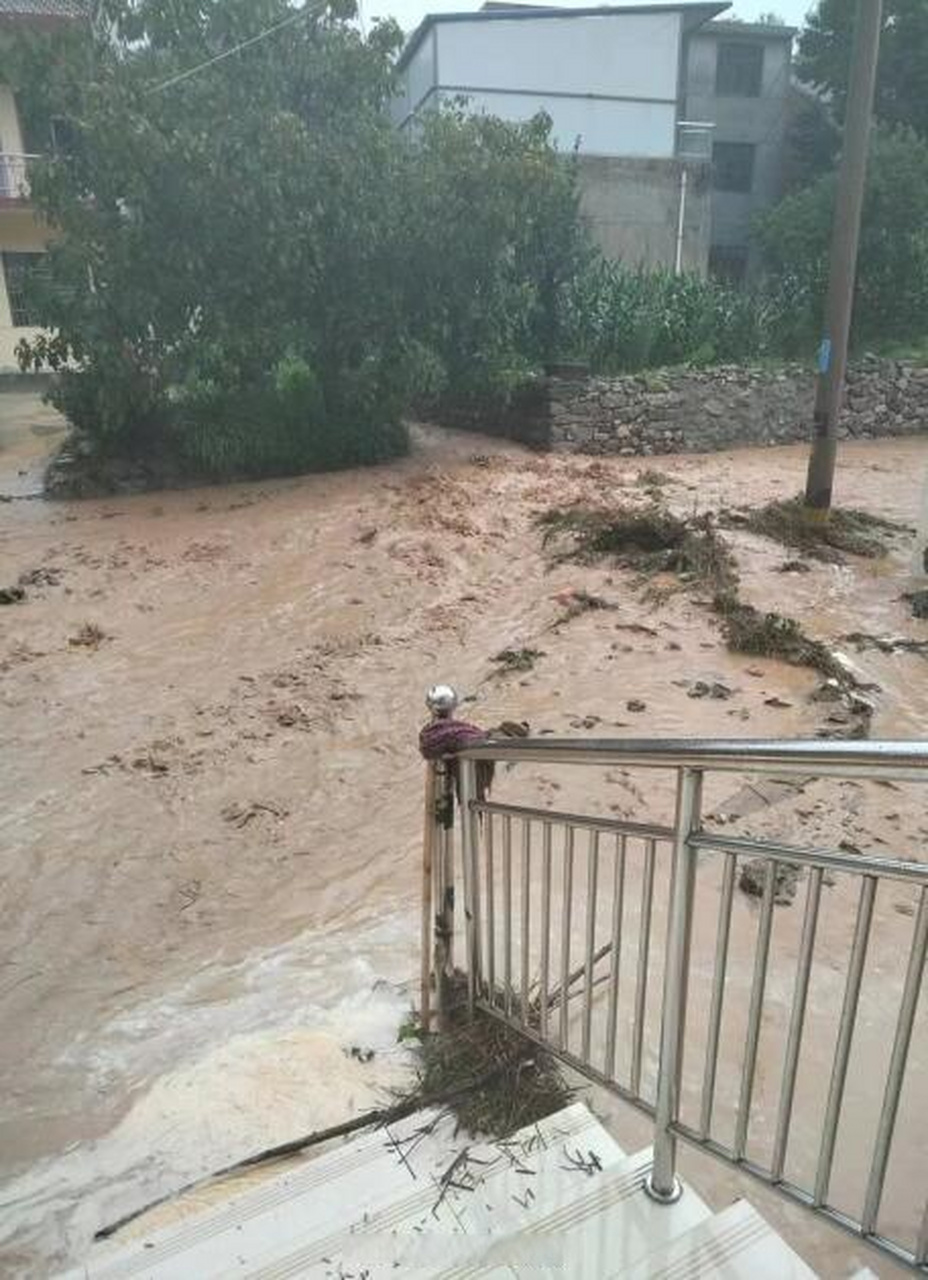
x=684 y=410
x=688 y=410
x=631 y=208
x=761 y=121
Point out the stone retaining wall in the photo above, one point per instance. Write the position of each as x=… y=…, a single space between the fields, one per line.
x=699 y=411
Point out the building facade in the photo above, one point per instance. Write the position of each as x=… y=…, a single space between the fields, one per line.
x=738 y=77
x=612 y=81
x=677 y=121
x=23 y=238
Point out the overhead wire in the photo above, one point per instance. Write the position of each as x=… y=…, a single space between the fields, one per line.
x=306 y=12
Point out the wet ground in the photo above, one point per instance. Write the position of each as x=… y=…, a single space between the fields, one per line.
x=211 y=799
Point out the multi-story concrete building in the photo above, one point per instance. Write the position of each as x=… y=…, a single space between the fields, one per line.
x=738 y=77
x=676 y=120
x=23 y=238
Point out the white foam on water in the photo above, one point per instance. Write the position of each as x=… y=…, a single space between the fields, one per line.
x=253 y=1055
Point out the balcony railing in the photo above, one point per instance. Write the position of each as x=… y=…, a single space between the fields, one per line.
x=14 y=176
x=583 y=933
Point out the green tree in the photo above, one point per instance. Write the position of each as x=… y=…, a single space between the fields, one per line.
x=495 y=234
x=812 y=139
x=891 y=299
x=824 y=58
x=209 y=226
x=250 y=266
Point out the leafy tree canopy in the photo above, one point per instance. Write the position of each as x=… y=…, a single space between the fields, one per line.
x=902 y=76
x=249 y=264
x=891 y=298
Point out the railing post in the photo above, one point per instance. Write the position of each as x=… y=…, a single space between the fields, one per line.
x=428 y=899
x=663 y=1185
x=438 y=868
x=467 y=776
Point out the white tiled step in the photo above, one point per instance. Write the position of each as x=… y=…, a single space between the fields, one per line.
x=374 y=1199
x=734 y=1243
x=603 y=1232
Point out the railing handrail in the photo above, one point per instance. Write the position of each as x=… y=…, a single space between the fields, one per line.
x=902 y=758
x=491 y=830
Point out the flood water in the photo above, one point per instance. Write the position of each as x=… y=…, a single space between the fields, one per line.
x=211 y=818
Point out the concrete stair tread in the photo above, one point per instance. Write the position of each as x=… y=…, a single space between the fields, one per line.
x=735 y=1242
x=387 y=1184
x=418 y=1199
x=601 y=1232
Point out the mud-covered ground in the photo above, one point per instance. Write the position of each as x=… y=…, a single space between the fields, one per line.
x=211 y=818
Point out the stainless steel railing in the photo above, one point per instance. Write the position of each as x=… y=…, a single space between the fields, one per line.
x=579 y=933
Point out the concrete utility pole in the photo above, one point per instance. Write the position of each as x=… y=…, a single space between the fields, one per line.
x=852 y=171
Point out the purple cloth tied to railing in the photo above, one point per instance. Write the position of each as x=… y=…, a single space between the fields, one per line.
x=440 y=739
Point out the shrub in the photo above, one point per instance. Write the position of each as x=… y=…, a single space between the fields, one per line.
x=891 y=296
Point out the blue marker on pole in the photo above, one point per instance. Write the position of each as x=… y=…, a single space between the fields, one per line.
x=824 y=355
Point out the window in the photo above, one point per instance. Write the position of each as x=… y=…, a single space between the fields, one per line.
x=733 y=166
x=18 y=267
x=728 y=262
x=739 y=69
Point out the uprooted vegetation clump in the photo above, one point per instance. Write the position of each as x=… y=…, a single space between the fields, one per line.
x=846 y=530
x=500 y=1081
x=516 y=660
x=747 y=630
x=918 y=600
x=652 y=540
x=771 y=635
x=579 y=601
x=653 y=481
x=649 y=539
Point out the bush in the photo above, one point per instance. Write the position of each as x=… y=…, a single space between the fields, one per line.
x=891 y=296
x=492 y=214
x=282 y=425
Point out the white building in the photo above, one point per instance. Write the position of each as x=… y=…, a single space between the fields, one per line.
x=618 y=85
x=610 y=78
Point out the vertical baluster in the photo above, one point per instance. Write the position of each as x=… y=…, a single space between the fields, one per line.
x=896 y=1072
x=641 y=980
x=545 y=930
x=845 y=1035
x=507 y=915
x=663 y=1184
x=476 y=820
x=592 y=888
x=566 y=908
x=797 y=1021
x=718 y=994
x=618 y=899
x=469 y=838
x=429 y=896
x=755 y=1011
x=446 y=824
x=526 y=903
x=491 y=911
x=921 y=1247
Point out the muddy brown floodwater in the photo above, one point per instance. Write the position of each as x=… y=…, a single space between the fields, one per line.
x=210 y=820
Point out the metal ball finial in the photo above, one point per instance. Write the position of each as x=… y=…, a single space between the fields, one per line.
x=441 y=700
